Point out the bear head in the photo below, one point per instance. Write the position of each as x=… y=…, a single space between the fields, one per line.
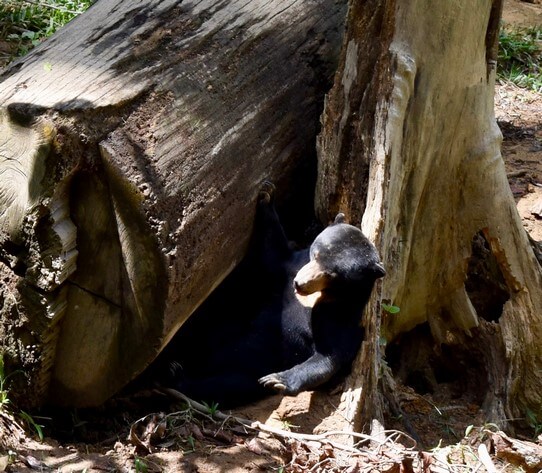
x=342 y=259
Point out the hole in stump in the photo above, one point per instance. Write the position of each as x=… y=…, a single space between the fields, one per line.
x=458 y=371
x=485 y=282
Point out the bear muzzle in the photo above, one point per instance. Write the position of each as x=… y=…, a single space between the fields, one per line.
x=310 y=279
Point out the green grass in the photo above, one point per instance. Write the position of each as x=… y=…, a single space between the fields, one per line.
x=520 y=57
x=25 y=23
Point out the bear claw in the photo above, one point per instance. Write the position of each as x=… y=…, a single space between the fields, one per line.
x=266 y=192
x=273 y=381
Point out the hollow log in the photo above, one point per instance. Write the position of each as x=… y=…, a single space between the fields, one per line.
x=410 y=149
x=132 y=147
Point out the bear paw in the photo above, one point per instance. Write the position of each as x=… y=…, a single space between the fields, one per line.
x=274 y=381
x=267 y=192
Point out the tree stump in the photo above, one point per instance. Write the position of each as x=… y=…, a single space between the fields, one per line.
x=410 y=147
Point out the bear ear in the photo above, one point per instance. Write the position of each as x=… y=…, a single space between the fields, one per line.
x=378 y=270
x=340 y=218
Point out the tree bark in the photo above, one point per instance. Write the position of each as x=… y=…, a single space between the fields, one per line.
x=133 y=145
x=410 y=147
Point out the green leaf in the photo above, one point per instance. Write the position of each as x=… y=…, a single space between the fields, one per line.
x=392 y=309
x=212 y=408
x=30 y=421
x=140 y=465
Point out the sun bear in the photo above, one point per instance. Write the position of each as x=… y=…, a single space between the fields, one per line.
x=289 y=323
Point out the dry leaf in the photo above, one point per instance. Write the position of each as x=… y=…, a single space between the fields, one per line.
x=148 y=431
x=255 y=446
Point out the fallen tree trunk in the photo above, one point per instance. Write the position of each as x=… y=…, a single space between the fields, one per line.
x=410 y=148
x=133 y=145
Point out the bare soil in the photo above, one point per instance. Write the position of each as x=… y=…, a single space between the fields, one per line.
x=99 y=440
x=519 y=116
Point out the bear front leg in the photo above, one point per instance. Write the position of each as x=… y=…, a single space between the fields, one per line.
x=303 y=377
x=269 y=246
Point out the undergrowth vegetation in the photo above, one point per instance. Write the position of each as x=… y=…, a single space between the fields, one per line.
x=25 y=23
x=6 y=409
x=520 y=56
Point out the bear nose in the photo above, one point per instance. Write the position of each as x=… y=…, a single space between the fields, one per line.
x=298 y=287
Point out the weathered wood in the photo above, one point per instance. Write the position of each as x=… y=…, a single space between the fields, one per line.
x=524 y=454
x=410 y=143
x=132 y=147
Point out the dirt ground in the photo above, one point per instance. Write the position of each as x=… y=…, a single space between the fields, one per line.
x=100 y=440
x=520 y=119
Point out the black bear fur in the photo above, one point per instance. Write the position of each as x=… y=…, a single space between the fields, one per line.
x=263 y=339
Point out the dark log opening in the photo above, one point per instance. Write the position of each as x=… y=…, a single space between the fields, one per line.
x=230 y=308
